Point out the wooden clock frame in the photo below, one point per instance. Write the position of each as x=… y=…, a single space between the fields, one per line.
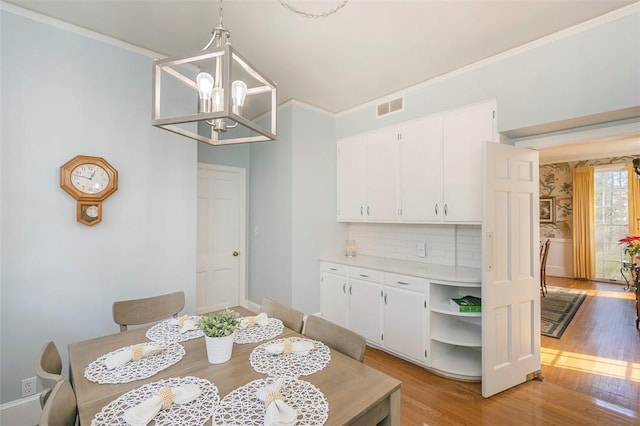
x=84 y=200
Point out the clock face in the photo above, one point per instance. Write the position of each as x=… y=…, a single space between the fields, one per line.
x=92 y=211
x=89 y=178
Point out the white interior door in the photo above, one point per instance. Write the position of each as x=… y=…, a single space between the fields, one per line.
x=220 y=253
x=511 y=268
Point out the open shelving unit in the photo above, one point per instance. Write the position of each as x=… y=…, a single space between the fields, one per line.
x=455 y=337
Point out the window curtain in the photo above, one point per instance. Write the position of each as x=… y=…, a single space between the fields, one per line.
x=584 y=245
x=634 y=202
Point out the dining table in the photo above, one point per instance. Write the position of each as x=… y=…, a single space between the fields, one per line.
x=356 y=394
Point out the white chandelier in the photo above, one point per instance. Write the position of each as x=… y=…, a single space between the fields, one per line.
x=214 y=95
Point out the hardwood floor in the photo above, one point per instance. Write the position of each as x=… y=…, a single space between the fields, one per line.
x=591 y=375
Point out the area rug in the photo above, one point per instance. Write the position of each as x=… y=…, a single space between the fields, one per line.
x=558 y=308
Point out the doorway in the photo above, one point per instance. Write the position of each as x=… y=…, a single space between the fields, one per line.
x=221 y=242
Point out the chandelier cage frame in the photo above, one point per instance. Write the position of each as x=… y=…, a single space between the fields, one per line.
x=175 y=85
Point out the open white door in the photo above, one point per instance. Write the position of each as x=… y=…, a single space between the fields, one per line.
x=511 y=268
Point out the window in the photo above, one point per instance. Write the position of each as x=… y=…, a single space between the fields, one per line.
x=611 y=219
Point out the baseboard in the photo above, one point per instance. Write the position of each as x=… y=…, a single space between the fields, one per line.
x=21 y=412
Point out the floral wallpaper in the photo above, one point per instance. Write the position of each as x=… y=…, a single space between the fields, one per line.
x=556 y=180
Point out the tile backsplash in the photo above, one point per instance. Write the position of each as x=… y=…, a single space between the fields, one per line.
x=458 y=245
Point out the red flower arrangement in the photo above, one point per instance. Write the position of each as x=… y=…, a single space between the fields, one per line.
x=633 y=245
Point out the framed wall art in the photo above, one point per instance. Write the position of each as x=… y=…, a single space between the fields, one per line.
x=547 y=209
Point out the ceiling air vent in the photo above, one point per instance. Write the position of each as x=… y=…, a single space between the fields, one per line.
x=389 y=107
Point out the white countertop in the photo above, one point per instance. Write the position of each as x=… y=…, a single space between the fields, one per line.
x=406 y=267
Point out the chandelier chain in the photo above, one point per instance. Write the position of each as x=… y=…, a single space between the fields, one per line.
x=313 y=15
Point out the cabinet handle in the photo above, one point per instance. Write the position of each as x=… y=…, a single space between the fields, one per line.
x=445 y=209
x=402 y=283
x=367 y=210
x=364 y=275
x=381 y=293
x=436 y=209
x=344 y=288
x=350 y=286
x=360 y=210
x=333 y=269
x=385 y=298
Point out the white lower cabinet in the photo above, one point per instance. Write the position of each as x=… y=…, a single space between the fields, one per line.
x=334 y=300
x=352 y=297
x=405 y=308
x=455 y=337
x=365 y=304
x=408 y=316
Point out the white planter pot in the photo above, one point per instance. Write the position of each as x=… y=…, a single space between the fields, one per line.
x=219 y=348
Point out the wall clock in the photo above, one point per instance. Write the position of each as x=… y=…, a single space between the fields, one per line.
x=90 y=180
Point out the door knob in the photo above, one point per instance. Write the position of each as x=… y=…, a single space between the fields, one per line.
x=235 y=253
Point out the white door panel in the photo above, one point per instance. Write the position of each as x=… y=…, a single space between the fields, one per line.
x=220 y=240
x=510 y=289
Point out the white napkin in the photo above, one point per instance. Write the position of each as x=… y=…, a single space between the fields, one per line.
x=120 y=358
x=299 y=347
x=261 y=319
x=143 y=413
x=277 y=412
x=185 y=322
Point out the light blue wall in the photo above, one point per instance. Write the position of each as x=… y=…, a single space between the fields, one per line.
x=592 y=72
x=293 y=206
x=270 y=214
x=64 y=95
x=315 y=229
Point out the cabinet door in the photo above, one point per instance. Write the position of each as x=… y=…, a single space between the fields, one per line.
x=351 y=178
x=464 y=130
x=420 y=170
x=365 y=309
x=404 y=322
x=333 y=298
x=381 y=179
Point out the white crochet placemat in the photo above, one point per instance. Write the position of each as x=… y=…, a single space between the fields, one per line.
x=165 y=331
x=292 y=364
x=243 y=407
x=259 y=333
x=195 y=413
x=134 y=370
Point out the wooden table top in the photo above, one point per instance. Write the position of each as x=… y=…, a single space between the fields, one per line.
x=351 y=388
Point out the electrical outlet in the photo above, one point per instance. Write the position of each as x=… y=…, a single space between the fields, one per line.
x=29 y=386
x=421 y=250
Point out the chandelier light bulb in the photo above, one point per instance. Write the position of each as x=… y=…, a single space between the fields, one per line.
x=217 y=99
x=205 y=84
x=238 y=93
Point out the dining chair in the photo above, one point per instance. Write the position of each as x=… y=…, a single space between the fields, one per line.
x=337 y=337
x=291 y=318
x=48 y=367
x=61 y=408
x=544 y=253
x=147 y=310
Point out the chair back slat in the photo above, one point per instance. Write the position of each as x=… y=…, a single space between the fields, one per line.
x=336 y=337
x=147 y=310
x=290 y=317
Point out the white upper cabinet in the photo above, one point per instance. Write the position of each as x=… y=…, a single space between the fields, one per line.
x=464 y=130
x=423 y=171
x=367 y=174
x=420 y=170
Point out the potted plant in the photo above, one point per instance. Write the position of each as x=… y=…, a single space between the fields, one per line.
x=633 y=247
x=218 y=329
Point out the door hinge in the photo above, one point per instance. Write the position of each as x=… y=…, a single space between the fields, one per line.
x=536 y=375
